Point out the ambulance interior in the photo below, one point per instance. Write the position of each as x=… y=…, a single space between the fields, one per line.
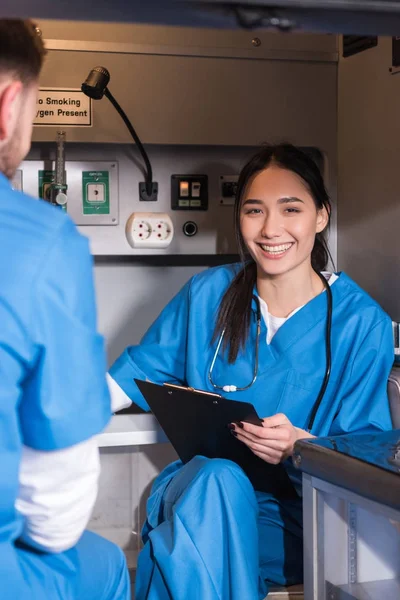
x=203 y=91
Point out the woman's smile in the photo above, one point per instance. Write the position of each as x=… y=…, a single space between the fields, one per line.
x=275 y=251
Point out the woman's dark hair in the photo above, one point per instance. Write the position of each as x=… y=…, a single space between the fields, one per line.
x=235 y=312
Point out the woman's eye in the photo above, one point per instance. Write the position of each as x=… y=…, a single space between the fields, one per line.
x=253 y=211
x=292 y=210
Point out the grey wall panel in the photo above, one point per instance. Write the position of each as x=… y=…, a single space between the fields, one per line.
x=130 y=297
x=191 y=100
x=369 y=150
x=215 y=226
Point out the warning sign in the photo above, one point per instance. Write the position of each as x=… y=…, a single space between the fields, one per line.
x=69 y=108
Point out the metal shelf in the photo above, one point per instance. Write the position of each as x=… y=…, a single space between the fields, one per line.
x=370 y=590
x=131 y=430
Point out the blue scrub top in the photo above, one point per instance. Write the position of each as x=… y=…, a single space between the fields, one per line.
x=178 y=348
x=53 y=392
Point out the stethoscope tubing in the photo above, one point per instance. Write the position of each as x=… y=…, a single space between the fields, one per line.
x=255 y=371
x=328 y=353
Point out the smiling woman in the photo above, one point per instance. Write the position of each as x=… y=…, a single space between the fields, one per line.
x=257 y=330
x=278 y=223
x=282 y=210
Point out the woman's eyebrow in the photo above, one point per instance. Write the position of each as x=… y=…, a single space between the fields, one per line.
x=289 y=199
x=284 y=200
x=252 y=201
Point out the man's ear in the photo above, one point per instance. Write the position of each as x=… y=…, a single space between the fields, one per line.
x=10 y=102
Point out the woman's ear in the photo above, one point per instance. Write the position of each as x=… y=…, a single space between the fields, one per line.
x=322 y=219
x=10 y=103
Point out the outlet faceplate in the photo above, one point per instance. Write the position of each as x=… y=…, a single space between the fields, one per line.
x=149 y=230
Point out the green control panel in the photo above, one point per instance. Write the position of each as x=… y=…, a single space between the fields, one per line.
x=95 y=193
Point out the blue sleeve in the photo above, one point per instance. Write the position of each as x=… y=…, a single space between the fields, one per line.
x=65 y=398
x=161 y=355
x=365 y=404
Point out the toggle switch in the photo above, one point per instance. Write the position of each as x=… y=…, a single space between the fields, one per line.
x=196 y=187
x=183 y=189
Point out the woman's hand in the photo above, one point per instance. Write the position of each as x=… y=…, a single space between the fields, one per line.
x=273 y=441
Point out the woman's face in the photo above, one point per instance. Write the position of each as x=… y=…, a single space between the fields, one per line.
x=279 y=221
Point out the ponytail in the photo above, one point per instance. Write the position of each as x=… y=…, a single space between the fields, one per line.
x=234 y=316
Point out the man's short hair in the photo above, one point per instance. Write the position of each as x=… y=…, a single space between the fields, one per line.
x=21 y=50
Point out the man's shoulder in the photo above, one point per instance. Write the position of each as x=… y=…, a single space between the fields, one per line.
x=35 y=238
x=33 y=213
x=32 y=224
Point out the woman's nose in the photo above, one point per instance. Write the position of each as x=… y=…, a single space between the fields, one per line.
x=272 y=226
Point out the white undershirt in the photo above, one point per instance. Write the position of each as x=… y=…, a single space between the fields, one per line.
x=58 y=488
x=119 y=399
x=274 y=323
x=57 y=492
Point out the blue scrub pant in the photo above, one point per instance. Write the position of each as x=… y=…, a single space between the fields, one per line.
x=94 y=569
x=209 y=536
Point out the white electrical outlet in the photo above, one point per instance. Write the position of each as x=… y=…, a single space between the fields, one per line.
x=149 y=230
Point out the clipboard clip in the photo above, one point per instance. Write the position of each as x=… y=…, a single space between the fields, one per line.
x=191 y=389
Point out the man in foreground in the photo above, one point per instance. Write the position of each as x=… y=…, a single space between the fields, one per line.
x=53 y=392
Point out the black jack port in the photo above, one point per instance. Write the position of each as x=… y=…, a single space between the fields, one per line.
x=190 y=228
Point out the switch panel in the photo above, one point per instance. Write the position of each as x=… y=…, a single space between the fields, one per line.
x=189 y=192
x=228 y=189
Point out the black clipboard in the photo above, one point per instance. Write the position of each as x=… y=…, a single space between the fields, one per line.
x=196 y=423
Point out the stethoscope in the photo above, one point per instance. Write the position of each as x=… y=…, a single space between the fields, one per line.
x=234 y=388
